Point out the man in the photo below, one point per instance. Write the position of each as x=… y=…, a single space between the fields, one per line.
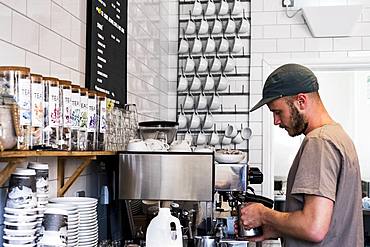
x=323 y=198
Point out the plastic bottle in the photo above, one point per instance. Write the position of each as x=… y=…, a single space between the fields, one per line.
x=164 y=230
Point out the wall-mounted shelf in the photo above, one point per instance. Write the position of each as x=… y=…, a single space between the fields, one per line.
x=219 y=55
x=219 y=112
x=227 y=17
x=13 y=158
x=206 y=1
x=221 y=94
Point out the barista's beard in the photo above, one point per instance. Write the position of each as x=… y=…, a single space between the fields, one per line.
x=299 y=124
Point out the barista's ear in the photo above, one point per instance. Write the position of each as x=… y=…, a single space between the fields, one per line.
x=301 y=100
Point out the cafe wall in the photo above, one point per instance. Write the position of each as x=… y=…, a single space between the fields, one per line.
x=275 y=36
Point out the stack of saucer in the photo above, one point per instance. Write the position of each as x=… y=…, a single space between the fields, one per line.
x=73 y=220
x=20 y=212
x=88 y=225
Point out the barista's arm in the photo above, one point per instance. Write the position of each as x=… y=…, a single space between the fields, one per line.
x=311 y=224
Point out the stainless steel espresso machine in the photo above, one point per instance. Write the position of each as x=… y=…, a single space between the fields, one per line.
x=202 y=193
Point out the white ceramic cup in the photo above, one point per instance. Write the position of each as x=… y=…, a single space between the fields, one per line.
x=217 y=27
x=197 y=46
x=203 y=27
x=194 y=121
x=237 y=139
x=188 y=102
x=223 y=45
x=180 y=146
x=209 y=83
x=183 y=84
x=202 y=102
x=237 y=45
x=222 y=83
x=202 y=138
x=229 y=64
x=214 y=102
x=237 y=8
x=211 y=8
x=214 y=139
x=210 y=45
x=230 y=26
x=208 y=121
x=204 y=149
x=182 y=120
x=224 y=8
x=190 y=27
x=156 y=145
x=197 y=8
x=231 y=131
x=226 y=140
x=216 y=65
x=183 y=46
x=202 y=65
x=244 y=26
x=189 y=64
x=137 y=145
x=188 y=138
x=246 y=133
x=196 y=84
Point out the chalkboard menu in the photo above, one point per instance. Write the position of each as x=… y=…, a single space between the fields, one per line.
x=106 y=48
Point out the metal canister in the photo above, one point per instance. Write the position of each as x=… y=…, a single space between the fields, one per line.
x=242 y=232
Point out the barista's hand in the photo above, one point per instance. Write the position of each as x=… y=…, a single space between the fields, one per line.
x=252 y=215
x=268 y=233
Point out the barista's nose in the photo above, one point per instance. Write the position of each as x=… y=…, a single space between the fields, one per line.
x=277 y=119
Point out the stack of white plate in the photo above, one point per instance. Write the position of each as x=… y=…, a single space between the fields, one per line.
x=20 y=227
x=88 y=225
x=73 y=221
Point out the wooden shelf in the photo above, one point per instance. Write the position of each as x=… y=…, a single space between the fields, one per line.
x=16 y=157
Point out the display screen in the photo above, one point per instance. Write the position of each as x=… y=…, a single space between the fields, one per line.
x=106 y=48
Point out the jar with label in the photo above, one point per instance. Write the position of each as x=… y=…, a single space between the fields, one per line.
x=37 y=111
x=75 y=117
x=102 y=121
x=51 y=112
x=84 y=111
x=92 y=120
x=66 y=122
x=15 y=81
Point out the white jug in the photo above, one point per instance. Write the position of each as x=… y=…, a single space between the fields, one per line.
x=164 y=230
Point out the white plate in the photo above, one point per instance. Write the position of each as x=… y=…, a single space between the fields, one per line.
x=24 y=233
x=229 y=158
x=78 y=201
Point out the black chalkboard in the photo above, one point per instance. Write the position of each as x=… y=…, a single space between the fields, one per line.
x=106 y=48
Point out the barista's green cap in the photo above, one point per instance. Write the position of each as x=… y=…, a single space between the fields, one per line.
x=287 y=80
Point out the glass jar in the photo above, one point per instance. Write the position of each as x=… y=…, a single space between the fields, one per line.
x=65 y=88
x=84 y=110
x=51 y=113
x=37 y=111
x=16 y=83
x=92 y=120
x=102 y=121
x=75 y=117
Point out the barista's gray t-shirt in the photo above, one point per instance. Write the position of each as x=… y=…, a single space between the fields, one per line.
x=327 y=165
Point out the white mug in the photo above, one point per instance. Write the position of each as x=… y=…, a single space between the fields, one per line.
x=204 y=27
x=188 y=101
x=222 y=83
x=224 y=8
x=194 y=121
x=202 y=65
x=237 y=8
x=217 y=27
x=231 y=131
x=209 y=83
x=210 y=45
x=202 y=102
x=229 y=64
x=183 y=84
x=189 y=64
x=244 y=26
x=182 y=120
x=208 y=121
x=246 y=133
x=195 y=83
x=184 y=46
x=237 y=139
x=180 y=146
x=237 y=45
x=223 y=45
x=216 y=65
x=214 y=139
x=226 y=140
x=137 y=145
x=156 y=145
x=211 y=8
x=188 y=138
x=197 y=46
x=202 y=138
x=230 y=26
x=215 y=102
x=197 y=8
x=190 y=27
